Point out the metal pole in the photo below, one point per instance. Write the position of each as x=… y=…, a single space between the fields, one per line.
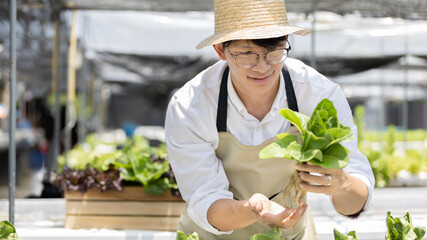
x=12 y=113
x=98 y=106
x=313 y=41
x=82 y=114
x=85 y=73
x=66 y=132
x=57 y=88
x=21 y=102
x=384 y=99
x=425 y=107
x=405 y=90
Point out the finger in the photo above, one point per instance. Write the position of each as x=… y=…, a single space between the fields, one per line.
x=316 y=188
x=324 y=179
x=275 y=219
x=259 y=207
x=312 y=168
x=285 y=213
x=302 y=210
x=294 y=217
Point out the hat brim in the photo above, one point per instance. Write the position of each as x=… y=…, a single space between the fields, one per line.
x=261 y=32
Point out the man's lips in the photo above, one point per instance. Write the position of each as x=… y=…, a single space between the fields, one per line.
x=260 y=79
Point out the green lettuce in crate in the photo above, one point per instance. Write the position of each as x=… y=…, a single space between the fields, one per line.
x=321 y=135
x=7 y=231
x=147 y=166
x=134 y=161
x=402 y=228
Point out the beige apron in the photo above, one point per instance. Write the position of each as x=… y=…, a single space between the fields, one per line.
x=247 y=175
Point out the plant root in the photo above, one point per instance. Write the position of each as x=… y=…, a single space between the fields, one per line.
x=293 y=195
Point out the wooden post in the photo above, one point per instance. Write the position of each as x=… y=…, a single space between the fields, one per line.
x=71 y=88
x=72 y=59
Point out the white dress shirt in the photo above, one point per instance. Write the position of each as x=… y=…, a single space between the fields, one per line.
x=192 y=137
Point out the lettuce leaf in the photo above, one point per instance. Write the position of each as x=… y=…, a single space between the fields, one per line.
x=402 y=228
x=321 y=135
x=7 y=231
x=279 y=148
x=96 y=164
x=272 y=234
x=182 y=236
x=340 y=236
x=298 y=119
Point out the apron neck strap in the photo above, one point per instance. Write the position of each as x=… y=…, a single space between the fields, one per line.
x=221 y=117
x=290 y=93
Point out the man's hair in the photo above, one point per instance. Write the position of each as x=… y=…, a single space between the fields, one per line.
x=267 y=43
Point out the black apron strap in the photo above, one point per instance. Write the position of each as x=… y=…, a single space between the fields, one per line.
x=221 y=116
x=290 y=93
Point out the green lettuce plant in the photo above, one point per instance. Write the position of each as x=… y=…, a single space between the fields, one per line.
x=7 y=231
x=387 y=162
x=321 y=135
x=397 y=229
x=402 y=228
x=273 y=234
x=379 y=147
x=133 y=162
x=341 y=236
x=182 y=236
x=320 y=138
x=147 y=167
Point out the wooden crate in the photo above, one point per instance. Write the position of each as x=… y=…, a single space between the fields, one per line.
x=131 y=208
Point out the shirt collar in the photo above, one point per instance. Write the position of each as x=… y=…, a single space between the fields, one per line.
x=280 y=97
x=238 y=104
x=235 y=100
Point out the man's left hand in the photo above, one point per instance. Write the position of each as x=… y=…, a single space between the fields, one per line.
x=318 y=179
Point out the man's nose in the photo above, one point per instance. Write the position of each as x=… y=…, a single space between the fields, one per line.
x=262 y=65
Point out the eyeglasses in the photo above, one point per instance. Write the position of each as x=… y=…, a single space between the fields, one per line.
x=249 y=59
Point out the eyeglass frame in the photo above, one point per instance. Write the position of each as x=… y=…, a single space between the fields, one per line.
x=287 y=49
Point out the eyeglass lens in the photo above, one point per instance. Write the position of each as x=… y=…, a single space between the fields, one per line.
x=250 y=59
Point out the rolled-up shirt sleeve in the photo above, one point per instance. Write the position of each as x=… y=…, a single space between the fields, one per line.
x=191 y=149
x=359 y=165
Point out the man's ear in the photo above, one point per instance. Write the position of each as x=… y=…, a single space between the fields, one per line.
x=220 y=51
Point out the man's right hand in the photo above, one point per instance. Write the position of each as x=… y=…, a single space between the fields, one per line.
x=273 y=214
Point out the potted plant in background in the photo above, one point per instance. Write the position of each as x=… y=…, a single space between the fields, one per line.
x=119 y=184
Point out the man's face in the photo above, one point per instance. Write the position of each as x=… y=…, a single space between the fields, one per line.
x=261 y=79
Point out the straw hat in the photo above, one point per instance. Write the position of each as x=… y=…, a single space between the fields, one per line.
x=250 y=19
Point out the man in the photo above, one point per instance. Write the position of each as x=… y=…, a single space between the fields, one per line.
x=219 y=121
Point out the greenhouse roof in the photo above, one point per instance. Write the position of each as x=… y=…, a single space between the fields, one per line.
x=136 y=5
x=409 y=9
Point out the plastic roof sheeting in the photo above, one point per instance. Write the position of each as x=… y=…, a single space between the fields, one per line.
x=177 y=33
x=405 y=78
x=409 y=9
x=136 y=5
